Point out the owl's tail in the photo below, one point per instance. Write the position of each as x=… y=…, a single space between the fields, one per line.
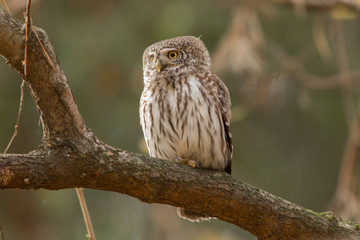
x=192 y=216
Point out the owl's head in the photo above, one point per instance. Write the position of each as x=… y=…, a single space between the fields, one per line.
x=183 y=53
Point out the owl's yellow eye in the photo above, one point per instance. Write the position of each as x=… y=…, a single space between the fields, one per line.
x=172 y=54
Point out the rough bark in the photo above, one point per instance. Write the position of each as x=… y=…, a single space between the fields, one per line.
x=71 y=156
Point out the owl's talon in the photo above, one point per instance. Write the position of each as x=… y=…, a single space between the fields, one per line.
x=193 y=163
x=187 y=162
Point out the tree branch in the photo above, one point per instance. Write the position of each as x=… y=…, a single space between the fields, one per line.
x=321 y=4
x=71 y=156
x=159 y=181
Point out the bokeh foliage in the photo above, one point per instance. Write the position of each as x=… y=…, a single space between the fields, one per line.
x=288 y=137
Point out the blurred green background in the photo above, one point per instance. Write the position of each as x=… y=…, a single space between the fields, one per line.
x=289 y=136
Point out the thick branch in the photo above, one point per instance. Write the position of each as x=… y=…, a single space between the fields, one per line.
x=159 y=181
x=71 y=156
x=49 y=88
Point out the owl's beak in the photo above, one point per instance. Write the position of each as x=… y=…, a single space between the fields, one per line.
x=159 y=66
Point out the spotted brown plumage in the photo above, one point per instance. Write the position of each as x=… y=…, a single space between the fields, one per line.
x=184 y=108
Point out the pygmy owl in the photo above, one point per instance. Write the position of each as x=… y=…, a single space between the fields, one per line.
x=185 y=109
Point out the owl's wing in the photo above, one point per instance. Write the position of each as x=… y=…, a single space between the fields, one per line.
x=223 y=96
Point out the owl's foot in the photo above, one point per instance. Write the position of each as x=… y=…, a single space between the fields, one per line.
x=188 y=162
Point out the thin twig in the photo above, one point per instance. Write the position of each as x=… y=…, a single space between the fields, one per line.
x=27 y=29
x=18 y=117
x=85 y=211
x=44 y=51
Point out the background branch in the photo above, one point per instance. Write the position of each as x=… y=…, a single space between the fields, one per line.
x=321 y=4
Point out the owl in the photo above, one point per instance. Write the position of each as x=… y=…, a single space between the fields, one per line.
x=185 y=109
